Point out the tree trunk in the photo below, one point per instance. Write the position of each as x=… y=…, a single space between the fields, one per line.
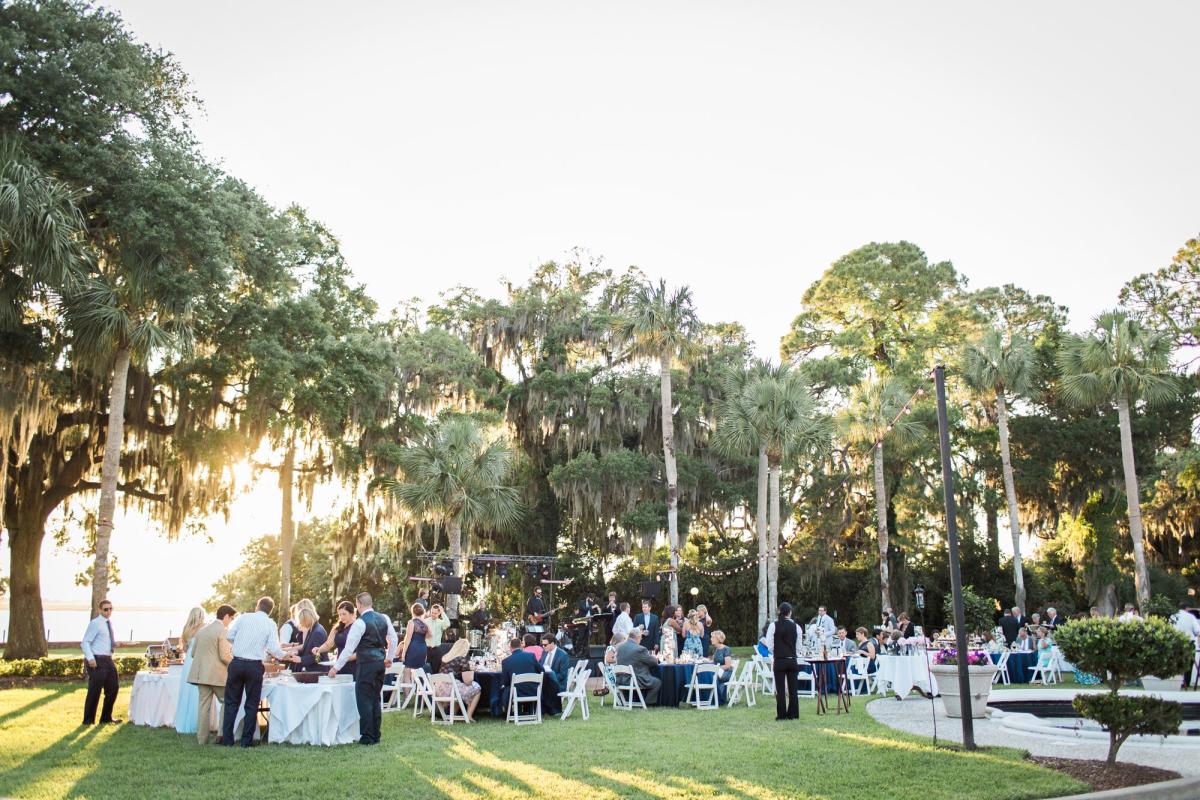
x=885 y=589
x=110 y=472
x=761 y=523
x=26 y=636
x=287 y=528
x=668 y=432
x=773 y=547
x=455 y=530
x=1010 y=494
x=1141 y=574
x=991 y=515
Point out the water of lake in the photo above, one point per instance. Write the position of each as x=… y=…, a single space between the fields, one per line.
x=136 y=625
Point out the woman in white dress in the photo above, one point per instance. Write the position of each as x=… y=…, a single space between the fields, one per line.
x=189 y=693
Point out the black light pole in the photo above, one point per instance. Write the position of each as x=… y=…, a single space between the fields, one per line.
x=960 y=623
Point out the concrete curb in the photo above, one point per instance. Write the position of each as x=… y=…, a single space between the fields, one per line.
x=1178 y=789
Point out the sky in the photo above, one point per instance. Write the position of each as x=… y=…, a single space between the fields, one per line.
x=737 y=147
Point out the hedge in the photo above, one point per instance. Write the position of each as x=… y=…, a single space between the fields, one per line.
x=63 y=667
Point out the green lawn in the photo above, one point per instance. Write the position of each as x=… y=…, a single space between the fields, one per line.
x=733 y=753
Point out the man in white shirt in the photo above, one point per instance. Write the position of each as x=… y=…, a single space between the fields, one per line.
x=253 y=637
x=372 y=640
x=824 y=626
x=623 y=624
x=1024 y=644
x=98 y=645
x=1187 y=624
x=1131 y=613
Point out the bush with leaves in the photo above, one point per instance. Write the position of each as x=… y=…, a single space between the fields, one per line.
x=1160 y=606
x=1124 y=651
x=977 y=611
x=69 y=667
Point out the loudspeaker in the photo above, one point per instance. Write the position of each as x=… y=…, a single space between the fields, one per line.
x=451 y=585
x=650 y=589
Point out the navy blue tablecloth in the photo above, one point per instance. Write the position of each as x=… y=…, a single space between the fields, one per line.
x=675 y=679
x=1019 y=665
x=831 y=678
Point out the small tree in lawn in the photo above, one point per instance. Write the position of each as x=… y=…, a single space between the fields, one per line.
x=1124 y=651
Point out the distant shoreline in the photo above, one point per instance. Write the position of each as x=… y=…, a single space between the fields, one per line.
x=64 y=605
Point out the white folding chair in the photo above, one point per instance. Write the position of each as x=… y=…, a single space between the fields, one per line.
x=764 y=667
x=450 y=706
x=422 y=694
x=1043 y=672
x=516 y=701
x=629 y=693
x=606 y=671
x=702 y=690
x=1001 y=673
x=576 y=690
x=858 y=680
x=809 y=677
x=742 y=684
x=1056 y=661
x=405 y=683
x=390 y=694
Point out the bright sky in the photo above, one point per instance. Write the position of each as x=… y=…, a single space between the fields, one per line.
x=736 y=147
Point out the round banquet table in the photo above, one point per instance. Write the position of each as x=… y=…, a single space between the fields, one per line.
x=322 y=713
x=831 y=673
x=489 y=685
x=153 y=698
x=903 y=672
x=675 y=679
x=1019 y=665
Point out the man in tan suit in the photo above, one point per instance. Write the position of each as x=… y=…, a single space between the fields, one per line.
x=210 y=661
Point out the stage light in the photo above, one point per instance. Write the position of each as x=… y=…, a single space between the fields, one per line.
x=448 y=565
x=502 y=569
x=531 y=570
x=478 y=568
x=547 y=571
x=440 y=570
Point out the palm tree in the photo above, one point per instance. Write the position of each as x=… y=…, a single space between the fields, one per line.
x=993 y=366
x=457 y=476
x=662 y=324
x=868 y=421
x=1122 y=361
x=775 y=412
x=39 y=235
x=119 y=319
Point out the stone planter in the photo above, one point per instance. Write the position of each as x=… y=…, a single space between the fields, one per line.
x=981 y=688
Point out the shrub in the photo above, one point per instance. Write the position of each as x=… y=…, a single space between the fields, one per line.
x=1160 y=606
x=63 y=667
x=1124 y=651
x=977 y=611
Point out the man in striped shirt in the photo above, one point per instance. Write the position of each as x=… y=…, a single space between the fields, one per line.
x=253 y=637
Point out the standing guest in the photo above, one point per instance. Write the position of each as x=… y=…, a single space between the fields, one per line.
x=824 y=626
x=1185 y=623
x=904 y=625
x=623 y=623
x=455 y=662
x=1035 y=620
x=345 y=618
x=631 y=653
x=1131 y=613
x=373 y=640
x=693 y=636
x=188 y=695
x=414 y=650
x=785 y=640
x=289 y=632
x=1053 y=620
x=530 y=645
x=438 y=623
x=889 y=619
x=313 y=637
x=706 y=622
x=423 y=598
x=254 y=636
x=1021 y=619
x=211 y=654
x=1045 y=648
x=1010 y=626
x=555 y=665
x=648 y=622
x=677 y=623
x=868 y=646
x=668 y=645
x=519 y=662
x=98 y=645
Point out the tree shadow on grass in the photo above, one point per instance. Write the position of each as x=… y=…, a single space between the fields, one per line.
x=48 y=763
x=52 y=693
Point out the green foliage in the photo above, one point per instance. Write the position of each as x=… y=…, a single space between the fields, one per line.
x=1160 y=606
x=1119 y=359
x=977 y=611
x=1169 y=299
x=63 y=667
x=1124 y=651
x=1123 y=717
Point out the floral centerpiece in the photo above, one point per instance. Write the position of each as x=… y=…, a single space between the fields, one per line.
x=949 y=656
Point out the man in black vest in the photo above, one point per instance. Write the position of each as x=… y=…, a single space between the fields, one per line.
x=373 y=640
x=787 y=668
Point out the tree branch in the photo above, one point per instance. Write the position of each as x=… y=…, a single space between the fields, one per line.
x=132 y=489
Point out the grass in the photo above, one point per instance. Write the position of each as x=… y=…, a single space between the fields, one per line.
x=663 y=753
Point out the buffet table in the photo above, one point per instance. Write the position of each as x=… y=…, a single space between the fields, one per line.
x=153 y=698
x=322 y=713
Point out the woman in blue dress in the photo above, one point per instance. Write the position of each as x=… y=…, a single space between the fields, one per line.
x=313 y=636
x=346 y=615
x=189 y=693
x=693 y=636
x=415 y=647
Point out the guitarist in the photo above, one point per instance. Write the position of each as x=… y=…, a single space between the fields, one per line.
x=535 y=609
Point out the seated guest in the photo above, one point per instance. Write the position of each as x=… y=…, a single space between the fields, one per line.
x=1023 y=643
x=610 y=652
x=843 y=643
x=723 y=657
x=992 y=644
x=631 y=653
x=520 y=662
x=555 y=665
x=455 y=662
x=648 y=622
x=763 y=647
x=867 y=646
x=531 y=646
x=436 y=654
x=314 y=635
x=905 y=626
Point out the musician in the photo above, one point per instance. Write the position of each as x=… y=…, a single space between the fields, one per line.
x=612 y=608
x=535 y=609
x=583 y=628
x=588 y=606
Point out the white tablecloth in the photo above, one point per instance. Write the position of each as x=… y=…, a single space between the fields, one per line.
x=902 y=673
x=321 y=713
x=154 y=696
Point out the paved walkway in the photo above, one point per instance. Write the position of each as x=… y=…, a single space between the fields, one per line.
x=913 y=715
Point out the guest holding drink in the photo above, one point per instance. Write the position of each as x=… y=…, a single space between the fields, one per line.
x=313 y=636
x=189 y=694
x=345 y=616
